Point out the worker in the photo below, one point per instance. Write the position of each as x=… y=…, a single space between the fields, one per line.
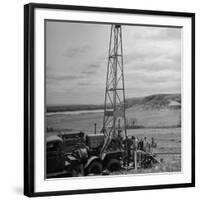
x=136 y=142
x=145 y=144
x=141 y=144
x=127 y=146
x=120 y=139
x=134 y=149
x=133 y=146
x=148 y=147
x=117 y=142
x=153 y=145
x=139 y=150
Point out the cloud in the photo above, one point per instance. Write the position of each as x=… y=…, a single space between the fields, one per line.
x=59 y=77
x=156 y=64
x=89 y=72
x=75 y=51
x=153 y=60
x=152 y=79
x=155 y=34
x=95 y=66
x=84 y=83
x=169 y=34
x=77 y=61
x=91 y=69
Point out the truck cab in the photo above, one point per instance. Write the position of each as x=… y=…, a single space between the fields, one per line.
x=55 y=154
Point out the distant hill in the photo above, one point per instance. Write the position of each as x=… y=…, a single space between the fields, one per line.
x=160 y=110
x=157 y=101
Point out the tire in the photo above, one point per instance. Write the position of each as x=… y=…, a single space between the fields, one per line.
x=113 y=165
x=95 y=168
x=146 y=162
x=78 y=170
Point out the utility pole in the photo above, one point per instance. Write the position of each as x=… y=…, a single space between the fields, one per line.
x=114 y=103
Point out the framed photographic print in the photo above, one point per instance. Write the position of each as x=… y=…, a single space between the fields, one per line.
x=108 y=99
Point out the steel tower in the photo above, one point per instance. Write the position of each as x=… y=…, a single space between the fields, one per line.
x=114 y=120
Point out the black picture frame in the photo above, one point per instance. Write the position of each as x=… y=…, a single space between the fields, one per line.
x=29 y=96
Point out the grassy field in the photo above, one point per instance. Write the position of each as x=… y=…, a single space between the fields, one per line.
x=141 y=117
x=159 y=123
x=153 y=117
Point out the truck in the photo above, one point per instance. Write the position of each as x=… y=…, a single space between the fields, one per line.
x=76 y=154
x=71 y=154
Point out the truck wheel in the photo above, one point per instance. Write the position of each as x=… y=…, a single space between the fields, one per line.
x=78 y=170
x=95 y=168
x=113 y=165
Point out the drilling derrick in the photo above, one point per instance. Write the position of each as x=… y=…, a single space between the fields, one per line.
x=114 y=121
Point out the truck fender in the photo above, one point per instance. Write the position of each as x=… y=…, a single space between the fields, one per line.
x=90 y=160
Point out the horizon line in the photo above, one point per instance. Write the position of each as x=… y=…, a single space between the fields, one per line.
x=101 y=104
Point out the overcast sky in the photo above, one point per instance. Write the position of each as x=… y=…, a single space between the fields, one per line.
x=76 y=60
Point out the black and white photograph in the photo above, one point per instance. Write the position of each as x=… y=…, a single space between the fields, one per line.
x=109 y=100
x=113 y=99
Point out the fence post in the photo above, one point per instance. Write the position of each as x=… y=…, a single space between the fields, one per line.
x=135 y=160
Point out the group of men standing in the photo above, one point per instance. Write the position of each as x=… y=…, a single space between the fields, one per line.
x=134 y=145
